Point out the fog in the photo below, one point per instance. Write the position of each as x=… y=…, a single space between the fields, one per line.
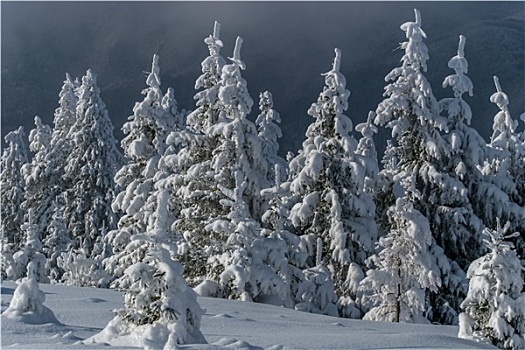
x=287 y=45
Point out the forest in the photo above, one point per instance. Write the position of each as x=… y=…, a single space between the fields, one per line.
x=431 y=231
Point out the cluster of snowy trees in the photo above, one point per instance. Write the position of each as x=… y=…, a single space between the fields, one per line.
x=326 y=230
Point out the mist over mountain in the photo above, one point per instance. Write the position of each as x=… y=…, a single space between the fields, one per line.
x=287 y=45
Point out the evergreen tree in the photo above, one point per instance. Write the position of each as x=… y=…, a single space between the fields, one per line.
x=143 y=145
x=31 y=252
x=209 y=161
x=90 y=168
x=12 y=188
x=239 y=148
x=418 y=149
x=504 y=168
x=327 y=180
x=494 y=310
x=39 y=191
x=186 y=167
x=62 y=138
x=402 y=268
x=157 y=298
x=467 y=152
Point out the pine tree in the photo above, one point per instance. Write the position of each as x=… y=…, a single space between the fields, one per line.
x=39 y=191
x=402 y=268
x=62 y=138
x=185 y=169
x=504 y=168
x=90 y=169
x=210 y=160
x=239 y=148
x=143 y=145
x=328 y=182
x=12 y=188
x=157 y=295
x=493 y=311
x=468 y=152
x=31 y=252
x=418 y=149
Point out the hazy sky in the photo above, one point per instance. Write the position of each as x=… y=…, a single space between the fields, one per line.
x=287 y=45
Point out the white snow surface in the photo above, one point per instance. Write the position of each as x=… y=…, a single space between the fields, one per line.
x=83 y=312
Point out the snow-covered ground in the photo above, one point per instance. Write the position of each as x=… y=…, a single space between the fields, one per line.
x=227 y=324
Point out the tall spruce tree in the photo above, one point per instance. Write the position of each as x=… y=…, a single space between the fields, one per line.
x=418 y=149
x=91 y=167
x=328 y=182
x=186 y=170
x=235 y=167
x=467 y=153
x=40 y=190
x=504 y=168
x=143 y=145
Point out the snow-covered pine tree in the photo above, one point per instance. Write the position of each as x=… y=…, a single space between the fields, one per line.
x=505 y=170
x=239 y=147
x=143 y=145
x=90 y=167
x=12 y=187
x=269 y=133
x=467 y=153
x=39 y=190
x=31 y=252
x=328 y=182
x=212 y=159
x=185 y=169
x=418 y=149
x=160 y=309
x=402 y=268
x=494 y=310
